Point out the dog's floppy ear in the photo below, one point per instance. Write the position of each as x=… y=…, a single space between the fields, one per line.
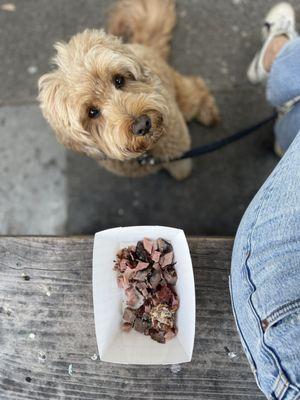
x=53 y=102
x=52 y=98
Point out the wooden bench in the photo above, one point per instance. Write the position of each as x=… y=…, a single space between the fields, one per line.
x=47 y=339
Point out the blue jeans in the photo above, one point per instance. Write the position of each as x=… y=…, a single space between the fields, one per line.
x=283 y=86
x=265 y=272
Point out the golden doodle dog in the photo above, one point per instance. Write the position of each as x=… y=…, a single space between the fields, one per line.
x=117 y=101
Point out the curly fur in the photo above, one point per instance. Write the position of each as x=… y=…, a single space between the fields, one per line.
x=83 y=78
x=149 y=23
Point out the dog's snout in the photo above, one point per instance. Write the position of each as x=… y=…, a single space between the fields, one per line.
x=141 y=125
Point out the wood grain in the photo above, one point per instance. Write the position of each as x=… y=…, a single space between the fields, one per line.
x=46 y=291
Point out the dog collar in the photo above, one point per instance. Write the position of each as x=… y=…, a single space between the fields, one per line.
x=146 y=159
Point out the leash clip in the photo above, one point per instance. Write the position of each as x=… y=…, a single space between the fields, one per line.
x=146 y=159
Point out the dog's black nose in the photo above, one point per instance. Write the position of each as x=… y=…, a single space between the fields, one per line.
x=141 y=125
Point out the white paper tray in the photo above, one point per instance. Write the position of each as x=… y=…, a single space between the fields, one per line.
x=134 y=348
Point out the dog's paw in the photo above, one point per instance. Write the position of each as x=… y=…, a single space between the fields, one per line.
x=180 y=170
x=208 y=113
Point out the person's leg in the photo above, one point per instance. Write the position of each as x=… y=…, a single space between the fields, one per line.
x=265 y=273
x=278 y=64
x=286 y=128
x=283 y=87
x=283 y=83
x=265 y=280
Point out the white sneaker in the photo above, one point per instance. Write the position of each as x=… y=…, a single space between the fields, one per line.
x=279 y=21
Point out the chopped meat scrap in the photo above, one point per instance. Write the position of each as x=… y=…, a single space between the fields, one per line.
x=134 y=298
x=126 y=327
x=142 y=287
x=124 y=264
x=170 y=275
x=164 y=246
x=175 y=303
x=120 y=281
x=156 y=266
x=141 y=253
x=155 y=279
x=127 y=276
x=170 y=334
x=141 y=275
x=148 y=245
x=141 y=265
x=166 y=259
x=165 y=294
x=129 y=315
x=141 y=325
x=148 y=276
x=155 y=246
x=155 y=256
x=158 y=336
x=147 y=308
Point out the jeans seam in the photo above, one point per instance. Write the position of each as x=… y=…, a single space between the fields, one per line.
x=281 y=386
x=297 y=396
x=270 y=353
x=243 y=341
x=282 y=312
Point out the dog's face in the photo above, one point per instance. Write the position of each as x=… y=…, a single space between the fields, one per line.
x=101 y=99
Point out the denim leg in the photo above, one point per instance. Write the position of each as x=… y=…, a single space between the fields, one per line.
x=287 y=127
x=265 y=280
x=284 y=80
x=284 y=85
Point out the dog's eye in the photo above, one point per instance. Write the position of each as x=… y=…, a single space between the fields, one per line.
x=119 y=81
x=94 y=112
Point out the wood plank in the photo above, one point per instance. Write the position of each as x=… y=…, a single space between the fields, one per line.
x=55 y=305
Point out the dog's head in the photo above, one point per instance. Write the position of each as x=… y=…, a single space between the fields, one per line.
x=102 y=99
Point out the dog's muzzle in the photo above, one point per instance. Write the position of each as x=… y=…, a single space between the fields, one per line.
x=141 y=126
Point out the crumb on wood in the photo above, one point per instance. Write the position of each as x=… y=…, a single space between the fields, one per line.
x=5 y=310
x=231 y=354
x=25 y=277
x=42 y=356
x=175 y=368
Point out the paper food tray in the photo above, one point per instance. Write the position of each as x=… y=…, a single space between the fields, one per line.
x=133 y=347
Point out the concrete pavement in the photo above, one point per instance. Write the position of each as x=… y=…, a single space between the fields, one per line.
x=46 y=189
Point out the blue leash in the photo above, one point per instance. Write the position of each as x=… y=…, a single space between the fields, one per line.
x=210 y=147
